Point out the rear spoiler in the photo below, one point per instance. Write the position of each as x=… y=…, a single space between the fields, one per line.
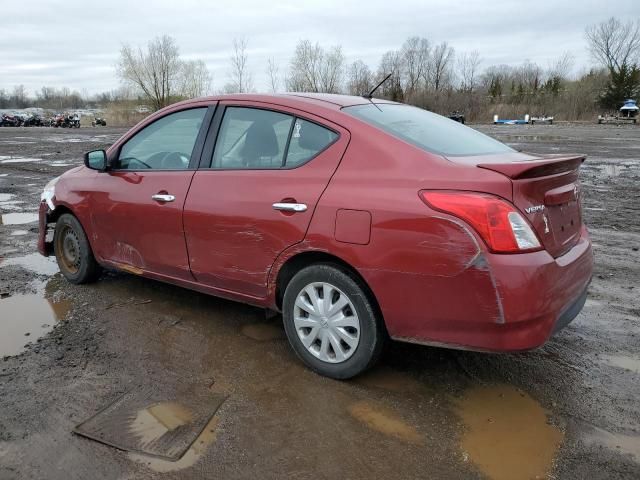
x=536 y=168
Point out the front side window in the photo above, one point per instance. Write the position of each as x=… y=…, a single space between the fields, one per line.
x=251 y=138
x=166 y=144
x=307 y=140
x=426 y=130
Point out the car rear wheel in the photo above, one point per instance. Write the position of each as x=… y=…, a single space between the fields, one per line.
x=73 y=252
x=330 y=322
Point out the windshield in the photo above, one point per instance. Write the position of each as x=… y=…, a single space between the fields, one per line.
x=426 y=130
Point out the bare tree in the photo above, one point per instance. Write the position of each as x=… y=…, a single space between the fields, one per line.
x=196 y=79
x=272 y=71
x=391 y=63
x=562 y=67
x=415 y=58
x=529 y=77
x=440 y=70
x=156 y=71
x=331 y=70
x=315 y=70
x=468 y=65
x=241 y=81
x=304 y=71
x=360 y=79
x=615 y=44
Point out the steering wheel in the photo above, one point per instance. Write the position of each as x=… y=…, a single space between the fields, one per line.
x=183 y=158
x=137 y=160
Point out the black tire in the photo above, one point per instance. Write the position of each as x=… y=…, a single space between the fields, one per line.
x=372 y=332
x=73 y=252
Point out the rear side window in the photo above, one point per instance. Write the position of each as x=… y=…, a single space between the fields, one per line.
x=426 y=130
x=307 y=140
x=257 y=139
x=251 y=138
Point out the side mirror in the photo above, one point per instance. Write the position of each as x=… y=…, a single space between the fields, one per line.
x=96 y=160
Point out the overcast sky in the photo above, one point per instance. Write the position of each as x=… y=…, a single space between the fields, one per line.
x=75 y=43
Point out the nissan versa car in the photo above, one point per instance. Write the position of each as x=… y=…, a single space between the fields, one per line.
x=359 y=219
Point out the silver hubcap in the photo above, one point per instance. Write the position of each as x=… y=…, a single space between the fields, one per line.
x=326 y=322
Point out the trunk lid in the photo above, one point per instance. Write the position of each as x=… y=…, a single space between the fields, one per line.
x=547 y=192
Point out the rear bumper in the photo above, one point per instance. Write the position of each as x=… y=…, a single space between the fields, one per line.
x=500 y=303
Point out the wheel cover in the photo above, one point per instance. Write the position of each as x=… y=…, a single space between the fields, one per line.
x=69 y=249
x=326 y=322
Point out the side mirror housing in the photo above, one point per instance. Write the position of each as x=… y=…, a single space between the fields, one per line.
x=96 y=160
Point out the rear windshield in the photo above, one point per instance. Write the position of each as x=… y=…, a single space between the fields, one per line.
x=426 y=130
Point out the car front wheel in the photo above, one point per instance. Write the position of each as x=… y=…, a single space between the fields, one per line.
x=73 y=252
x=331 y=323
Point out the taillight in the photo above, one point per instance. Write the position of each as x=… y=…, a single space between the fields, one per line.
x=500 y=225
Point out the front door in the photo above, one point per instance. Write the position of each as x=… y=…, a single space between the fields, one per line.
x=136 y=207
x=258 y=194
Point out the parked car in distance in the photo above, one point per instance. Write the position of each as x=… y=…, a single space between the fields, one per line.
x=358 y=219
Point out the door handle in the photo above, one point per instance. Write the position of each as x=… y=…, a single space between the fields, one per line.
x=290 y=207
x=163 y=197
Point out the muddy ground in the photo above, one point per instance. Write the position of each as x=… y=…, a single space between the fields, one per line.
x=568 y=410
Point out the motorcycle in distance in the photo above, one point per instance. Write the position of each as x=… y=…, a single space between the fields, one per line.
x=457 y=116
x=99 y=121
x=9 y=120
x=33 y=120
x=66 y=120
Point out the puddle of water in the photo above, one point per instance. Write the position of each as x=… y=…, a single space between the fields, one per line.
x=18 y=218
x=386 y=378
x=384 y=421
x=612 y=170
x=592 y=303
x=4 y=197
x=628 y=363
x=153 y=422
x=191 y=456
x=627 y=444
x=263 y=332
x=34 y=262
x=24 y=318
x=507 y=435
x=21 y=160
x=4 y=174
x=531 y=138
x=18 y=233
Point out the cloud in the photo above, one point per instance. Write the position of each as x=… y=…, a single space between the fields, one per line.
x=76 y=44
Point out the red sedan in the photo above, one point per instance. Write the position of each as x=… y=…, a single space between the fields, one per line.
x=358 y=219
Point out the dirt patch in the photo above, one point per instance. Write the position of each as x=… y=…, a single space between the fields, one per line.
x=282 y=419
x=263 y=332
x=384 y=421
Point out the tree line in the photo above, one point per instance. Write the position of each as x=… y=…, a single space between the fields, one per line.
x=428 y=75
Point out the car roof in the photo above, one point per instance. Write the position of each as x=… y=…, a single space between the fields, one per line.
x=330 y=101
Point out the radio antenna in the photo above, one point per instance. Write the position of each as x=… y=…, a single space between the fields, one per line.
x=370 y=94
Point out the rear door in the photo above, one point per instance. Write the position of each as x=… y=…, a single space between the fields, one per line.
x=255 y=193
x=136 y=207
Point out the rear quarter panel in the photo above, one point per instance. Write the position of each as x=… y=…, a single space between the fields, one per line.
x=415 y=256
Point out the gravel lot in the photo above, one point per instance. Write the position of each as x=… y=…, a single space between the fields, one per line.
x=568 y=410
